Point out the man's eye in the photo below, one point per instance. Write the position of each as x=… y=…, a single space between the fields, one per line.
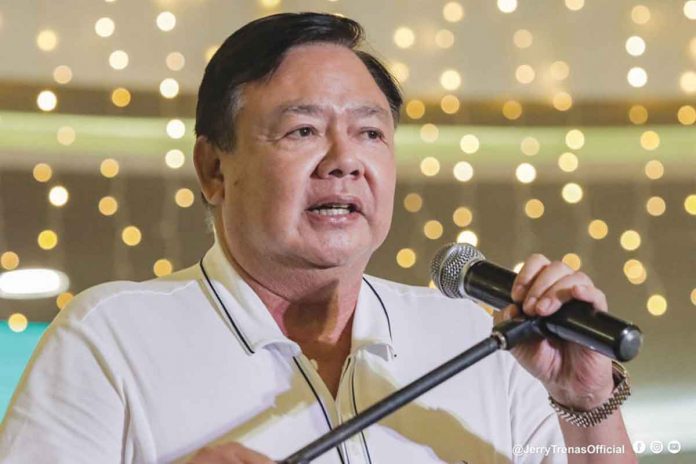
x=302 y=132
x=373 y=134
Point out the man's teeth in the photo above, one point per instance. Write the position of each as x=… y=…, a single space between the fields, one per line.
x=333 y=210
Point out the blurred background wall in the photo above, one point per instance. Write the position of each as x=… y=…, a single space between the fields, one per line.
x=552 y=126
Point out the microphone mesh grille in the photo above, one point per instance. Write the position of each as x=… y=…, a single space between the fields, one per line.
x=448 y=264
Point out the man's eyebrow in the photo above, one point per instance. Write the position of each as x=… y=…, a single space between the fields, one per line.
x=309 y=109
x=315 y=110
x=370 y=110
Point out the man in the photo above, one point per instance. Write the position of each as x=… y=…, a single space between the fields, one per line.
x=276 y=336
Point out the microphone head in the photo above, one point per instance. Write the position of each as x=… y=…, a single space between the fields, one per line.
x=449 y=266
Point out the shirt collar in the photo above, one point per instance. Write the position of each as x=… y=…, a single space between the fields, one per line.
x=254 y=326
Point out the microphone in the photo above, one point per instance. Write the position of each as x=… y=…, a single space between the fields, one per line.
x=459 y=270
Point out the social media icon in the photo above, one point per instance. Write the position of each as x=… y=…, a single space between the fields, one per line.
x=674 y=446
x=639 y=446
x=656 y=446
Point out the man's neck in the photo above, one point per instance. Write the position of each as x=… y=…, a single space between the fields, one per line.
x=316 y=309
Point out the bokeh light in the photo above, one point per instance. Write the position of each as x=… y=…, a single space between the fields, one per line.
x=46 y=100
x=430 y=166
x=630 y=240
x=47 y=239
x=109 y=168
x=572 y=192
x=433 y=229
x=406 y=258
x=469 y=144
x=131 y=235
x=657 y=304
x=108 y=205
x=17 y=322
x=58 y=196
x=534 y=208
x=463 y=171
x=597 y=229
x=166 y=21
x=162 y=267
x=9 y=260
x=413 y=202
x=42 y=172
x=462 y=216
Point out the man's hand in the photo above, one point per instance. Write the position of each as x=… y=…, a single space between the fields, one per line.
x=229 y=453
x=574 y=376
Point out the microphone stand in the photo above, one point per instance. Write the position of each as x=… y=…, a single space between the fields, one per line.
x=504 y=336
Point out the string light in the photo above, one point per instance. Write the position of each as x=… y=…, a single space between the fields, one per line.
x=450 y=79
x=530 y=146
x=469 y=144
x=176 y=128
x=58 y=196
x=131 y=235
x=415 y=109
x=430 y=166
x=559 y=70
x=463 y=171
x=649 y=140
x=512 y=110
x=574 y=5
x=562 y=101
x=9 y=260
x=174 y=159
x=46 y=100
x=444 y=38
x=166 y=21
x=118 y=60
x=109 y=168
x=572 y=260
x=690 y=9
x=66 y=135
x=534 y=208
x=635 y=45
x=462 y=216
x=467 y=236
x=655 y=206
x=522 y=38
x=575 y=139
x=630 y=240
x=104 y=27
x=637 y=77
x=429 y=133
x=62 y=74
x=406 y=258
x=568 y=162
x=686 y=115
x=690 y=204
x=184 y=197
x=507 y=6
x=453 y=12
x=524 y=74
x=162 y=267
x=635 y=271
x=47 y=239
x=210 y=52
x=169 y=88
x=399 y=70
x=433 y=229
x=657 y=304
x=572 y=193
x=17 y=322
x=120 y=97
x=413 y=202
x=175 y=61
x=47 y=40
x=449 y=104
x=597 y=229
x=638 y=114
x=42 y=172
x=404 y=37
x=687 y=81
x=108 y=206
x=63 y=299
x=654 y=169
x=640 y=14
x=525 y=173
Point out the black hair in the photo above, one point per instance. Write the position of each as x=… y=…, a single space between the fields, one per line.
x=256 y=50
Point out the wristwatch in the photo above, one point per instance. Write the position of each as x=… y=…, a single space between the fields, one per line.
x=622 y=389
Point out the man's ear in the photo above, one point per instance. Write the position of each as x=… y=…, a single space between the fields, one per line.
x=206 y=158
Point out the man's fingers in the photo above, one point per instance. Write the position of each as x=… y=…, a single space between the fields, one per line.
x=532 y=266
x=229 y=453
x=548 y=276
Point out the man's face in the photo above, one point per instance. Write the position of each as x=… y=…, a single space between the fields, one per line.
x=310 y=183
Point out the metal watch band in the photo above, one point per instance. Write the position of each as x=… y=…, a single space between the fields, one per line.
x=584 y=419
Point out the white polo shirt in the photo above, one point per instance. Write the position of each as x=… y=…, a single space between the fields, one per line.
x=150 y=372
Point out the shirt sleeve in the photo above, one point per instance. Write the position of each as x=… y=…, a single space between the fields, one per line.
x=68 y=407
x=536 y=432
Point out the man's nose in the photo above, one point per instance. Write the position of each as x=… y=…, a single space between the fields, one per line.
x=341 y=159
